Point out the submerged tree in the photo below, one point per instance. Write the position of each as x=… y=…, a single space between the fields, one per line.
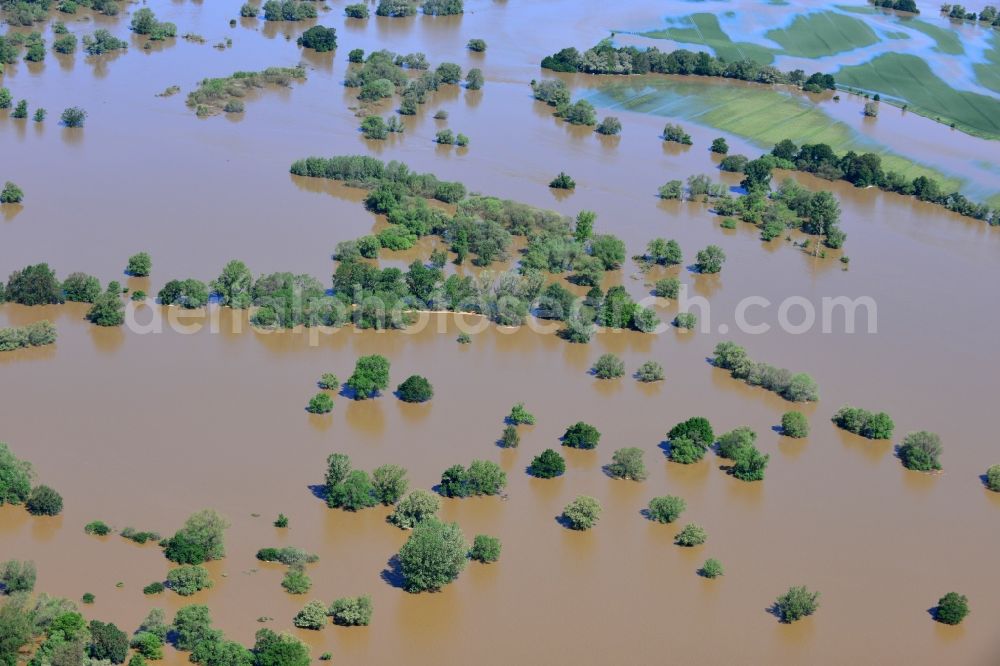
x=548 y=464
x=414 y=508
x=627 y=463
x=609 y=366
x=951 y=608
x=433 y=556
x=319 y=38
x=666 y=509
x=415 y=389
x=796 y=604
x=582 y=513
x=920 y=451
x=371 y=375
x=11 y=193
x=202 y=538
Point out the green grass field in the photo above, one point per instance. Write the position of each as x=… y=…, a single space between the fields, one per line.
x=898 y=77
x=858 y=9
x=762 y=115
x=907 y=77
x=823 y=34
x=988 y=74
x=704 y=29
x=947 y=40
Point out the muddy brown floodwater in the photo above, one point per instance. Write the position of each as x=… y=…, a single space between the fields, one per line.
x=142 y=429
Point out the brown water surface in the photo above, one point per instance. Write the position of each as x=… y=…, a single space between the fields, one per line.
x=141 y=430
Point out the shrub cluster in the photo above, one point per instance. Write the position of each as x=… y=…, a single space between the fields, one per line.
x=864 y=423
x=795 y=388
x=35 y=334
x=482 y=477
x=605 y=58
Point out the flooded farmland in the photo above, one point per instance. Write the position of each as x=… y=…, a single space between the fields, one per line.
x=141 y=428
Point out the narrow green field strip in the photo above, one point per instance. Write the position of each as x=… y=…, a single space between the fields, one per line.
x=948 y=41
x=704 y=29
x=988 y=74
x=907 y=77
x=823 y=34
x=763 y=116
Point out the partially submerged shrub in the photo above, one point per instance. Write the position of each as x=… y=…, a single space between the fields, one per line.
x=921 y=451
x=582 y=513
x=796 y=604
x=485 y=549
x=666 y=509
x=548 y=464
x=609 y=366
x=188 y=579
x=711 y=569
x=352 y=611
x=794 y=424
x=581 y=435
x=650 y=371
x=691 y=535
x=627 y=463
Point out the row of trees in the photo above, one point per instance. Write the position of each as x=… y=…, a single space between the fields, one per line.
x=605 y=58
x=865 y=170
x=483 y=226
x=898 y=5
x=38 y=285
x=989 y=14
x=793 y=387
x=226 y=93
x=288 y=10
x=192 y=632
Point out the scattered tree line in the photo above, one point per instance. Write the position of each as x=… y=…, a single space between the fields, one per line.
x=989 y=14
x=792 y=387
x=898 y=5
x=864 y=170
x=482 y=226
x=36 y=334
x=289 y=10
x=215 y=95
x=38 y=285
x=605 y=58
x=555 y=93
x=382 y=75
